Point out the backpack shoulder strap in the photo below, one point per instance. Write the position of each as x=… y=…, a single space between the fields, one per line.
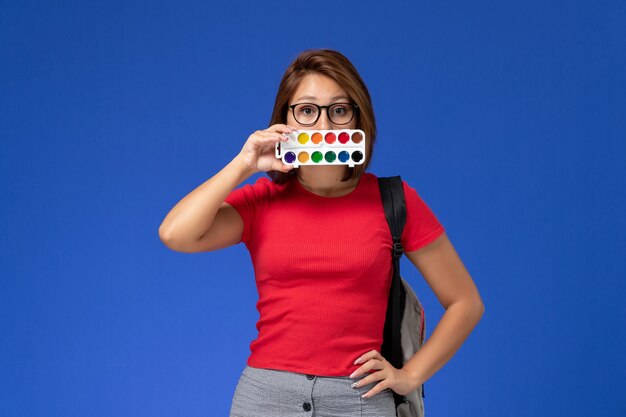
x=392 y=194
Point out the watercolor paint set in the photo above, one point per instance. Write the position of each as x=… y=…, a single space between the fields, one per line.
x=323 y=147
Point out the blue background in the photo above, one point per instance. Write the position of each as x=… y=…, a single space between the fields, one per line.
x=507 y=117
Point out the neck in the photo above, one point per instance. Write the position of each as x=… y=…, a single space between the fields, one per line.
x=326 y=180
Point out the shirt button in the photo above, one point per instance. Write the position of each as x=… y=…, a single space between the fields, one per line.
x=310 y=376
x=306 y=406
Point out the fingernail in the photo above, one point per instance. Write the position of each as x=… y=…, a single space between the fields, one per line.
x=355 y=384
x=352 y=374
x=357 y=361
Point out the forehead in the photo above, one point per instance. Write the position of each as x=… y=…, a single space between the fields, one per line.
x=317 y=87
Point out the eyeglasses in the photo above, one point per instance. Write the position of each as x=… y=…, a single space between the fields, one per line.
x=307 y=114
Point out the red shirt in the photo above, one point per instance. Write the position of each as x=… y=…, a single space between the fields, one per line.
x=323 y=270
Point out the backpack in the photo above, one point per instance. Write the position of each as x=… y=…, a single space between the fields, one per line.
x=405 y=324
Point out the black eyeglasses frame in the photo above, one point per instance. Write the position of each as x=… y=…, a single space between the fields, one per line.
x=355 y=109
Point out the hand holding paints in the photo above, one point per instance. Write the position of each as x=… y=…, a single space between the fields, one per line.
x=322 y=147
x=257 y=152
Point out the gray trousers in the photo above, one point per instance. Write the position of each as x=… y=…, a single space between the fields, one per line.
x=267 y=392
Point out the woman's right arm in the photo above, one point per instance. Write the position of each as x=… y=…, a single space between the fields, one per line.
x=202 y=221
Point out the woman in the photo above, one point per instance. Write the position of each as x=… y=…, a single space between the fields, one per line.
x=321 y=250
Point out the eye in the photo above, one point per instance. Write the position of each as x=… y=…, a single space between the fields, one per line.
x=340 y=109
x=307 y=110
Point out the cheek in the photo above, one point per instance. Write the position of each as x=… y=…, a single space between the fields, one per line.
x=290 y=119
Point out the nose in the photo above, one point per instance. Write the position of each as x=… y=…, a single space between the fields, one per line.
x=324 y=123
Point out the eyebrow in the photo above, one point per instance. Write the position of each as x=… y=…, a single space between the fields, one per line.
x=315 y=98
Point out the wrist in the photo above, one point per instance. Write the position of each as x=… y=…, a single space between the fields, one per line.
x=415 y=377
x=244 y=169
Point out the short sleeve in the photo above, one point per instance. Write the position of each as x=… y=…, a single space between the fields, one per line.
x=422 y=226
x=246 y=200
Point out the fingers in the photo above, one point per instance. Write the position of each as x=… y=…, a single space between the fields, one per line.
x=279 y=166
x=372 y=364
x=367 y=356
x=276 y=164
x=377 y=388
x=373 y=377
x=264 y=137
x=258 y=151
x=380 y=375
x=371 y=360
x=271 y=135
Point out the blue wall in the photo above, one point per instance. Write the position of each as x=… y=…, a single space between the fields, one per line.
x=507 y=117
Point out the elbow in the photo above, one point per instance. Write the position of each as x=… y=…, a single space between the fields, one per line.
x=164 y=234
x=473 y=308
x=166 y=237
x=177 y=245
x=474 y=311
x=481 y=310
x=478 y=307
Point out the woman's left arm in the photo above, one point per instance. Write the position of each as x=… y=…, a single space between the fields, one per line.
x=442 y=268
x=446 y=275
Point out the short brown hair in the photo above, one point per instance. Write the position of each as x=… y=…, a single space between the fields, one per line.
x=335 y=65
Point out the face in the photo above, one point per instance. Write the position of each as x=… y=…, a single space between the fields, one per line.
x=323 y=91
